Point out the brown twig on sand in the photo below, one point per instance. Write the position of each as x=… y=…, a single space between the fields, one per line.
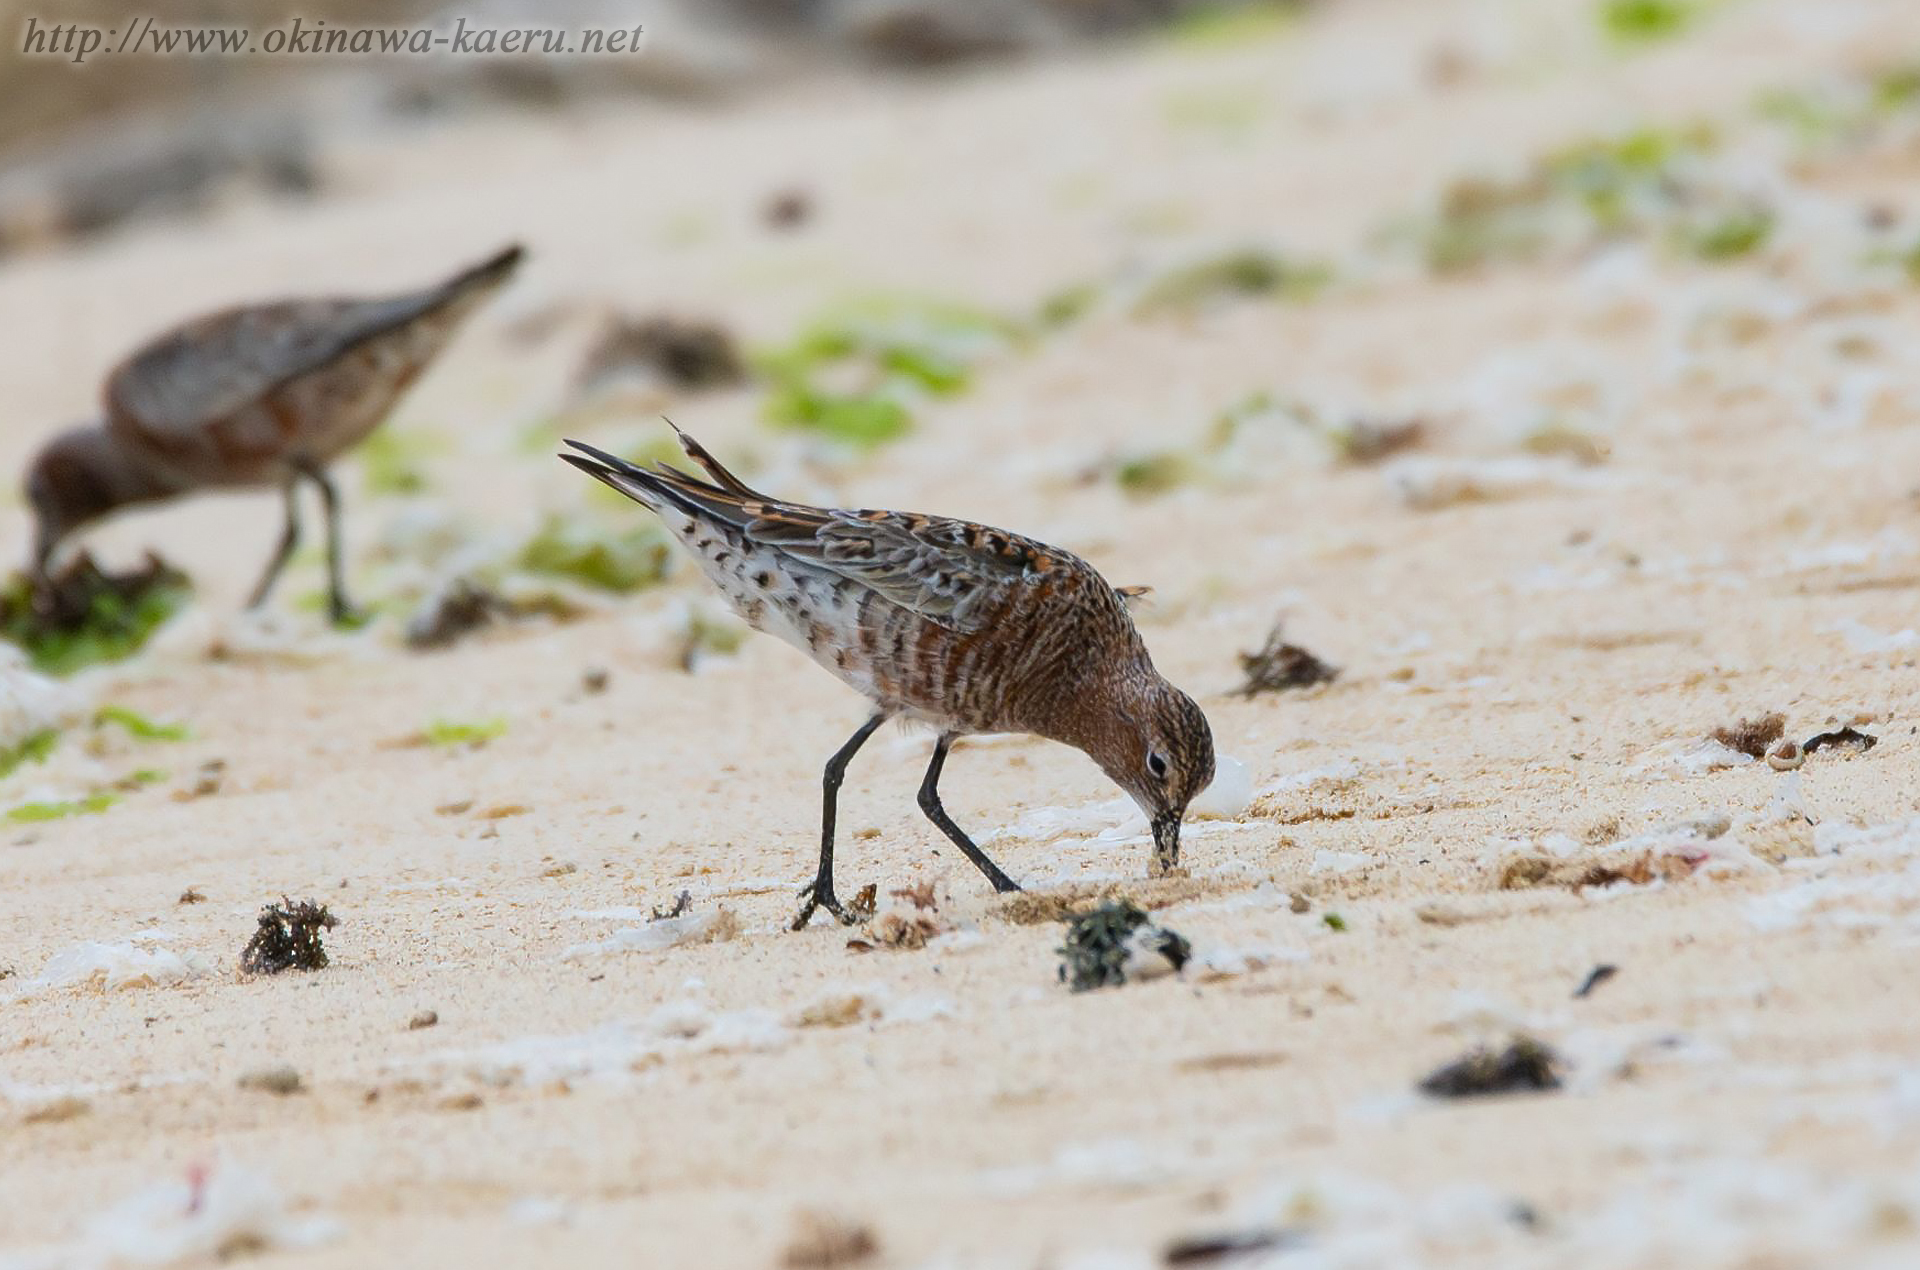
x=1280 y=665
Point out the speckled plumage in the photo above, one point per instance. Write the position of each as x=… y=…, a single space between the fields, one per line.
x=957 y=624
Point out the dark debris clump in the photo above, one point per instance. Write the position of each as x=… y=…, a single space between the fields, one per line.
x=683 y=352
x=288 y=938
x=1595 y=977
x=907 y=38
x=682 y=905
x=1367 y=441
x=788 y=209
x=82 y=615
x=1250 y=272
x=1848 y=740
x=905 y=931
x=1752 y=736
x=829 y=1241
x=463 y=607
x=1280 y=665
x=1105 y=944
x=1524 y=1066
x=1230 y=1246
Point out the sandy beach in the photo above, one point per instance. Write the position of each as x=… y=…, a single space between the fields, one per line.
x=1654 y=492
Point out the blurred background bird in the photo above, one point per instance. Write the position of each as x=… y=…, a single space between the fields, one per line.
x=258 y=395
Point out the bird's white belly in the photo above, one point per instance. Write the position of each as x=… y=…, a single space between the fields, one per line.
x=815 y=611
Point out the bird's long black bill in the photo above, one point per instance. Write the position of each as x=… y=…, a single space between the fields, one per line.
x=1166 y=844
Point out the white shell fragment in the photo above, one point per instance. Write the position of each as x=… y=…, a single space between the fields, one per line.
x=142 y=961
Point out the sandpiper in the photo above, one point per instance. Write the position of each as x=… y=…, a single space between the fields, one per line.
x=947 y=622
x=258 y=395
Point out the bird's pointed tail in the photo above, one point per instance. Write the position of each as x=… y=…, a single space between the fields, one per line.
x=726 y=499
x=718 y=474
x=642 y=486
x=489 y=273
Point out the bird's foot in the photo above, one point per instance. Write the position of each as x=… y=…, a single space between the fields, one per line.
x=811 y=898
x=345 y=616
x=818 y=894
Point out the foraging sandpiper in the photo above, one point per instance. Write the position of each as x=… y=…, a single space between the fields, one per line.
x=948 y=622
x=258 y=395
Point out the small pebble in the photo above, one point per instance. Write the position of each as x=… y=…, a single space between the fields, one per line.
x=787 y=209
x=424 y=1018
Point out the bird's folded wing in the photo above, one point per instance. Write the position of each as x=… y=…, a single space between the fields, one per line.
x=948 y=571
x=210 y=368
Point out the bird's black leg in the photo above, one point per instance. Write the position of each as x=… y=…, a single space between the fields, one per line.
x=930 y=803
x=289 y=539
x=338 y=608
x=819 y=892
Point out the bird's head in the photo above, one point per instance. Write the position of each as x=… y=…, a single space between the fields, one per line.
x=78 y=477
x=1160 y=750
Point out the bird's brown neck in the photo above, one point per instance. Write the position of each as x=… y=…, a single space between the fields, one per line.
x=1101 y=713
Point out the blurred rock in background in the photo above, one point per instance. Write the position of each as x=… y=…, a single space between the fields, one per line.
x=85 y=148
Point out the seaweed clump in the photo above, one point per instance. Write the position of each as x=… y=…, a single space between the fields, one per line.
x=288 y=938
x=1155 y=473
x=1524 y=1066
x=1279 y=665
x=1105 y=945
x=857 y=374
x=82 y=615
x=1633 y=22
x=458 y=610
x=580 y=552
x=684 y=353
x=34 y=813
x=1247 y=273
x=1649 y=184
x=34 y=748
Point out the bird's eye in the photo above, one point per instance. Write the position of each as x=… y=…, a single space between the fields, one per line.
x=1157 y=765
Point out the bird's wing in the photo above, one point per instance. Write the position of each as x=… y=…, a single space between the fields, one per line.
x=947 y=571
x=207 y=369
x=212 y=367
